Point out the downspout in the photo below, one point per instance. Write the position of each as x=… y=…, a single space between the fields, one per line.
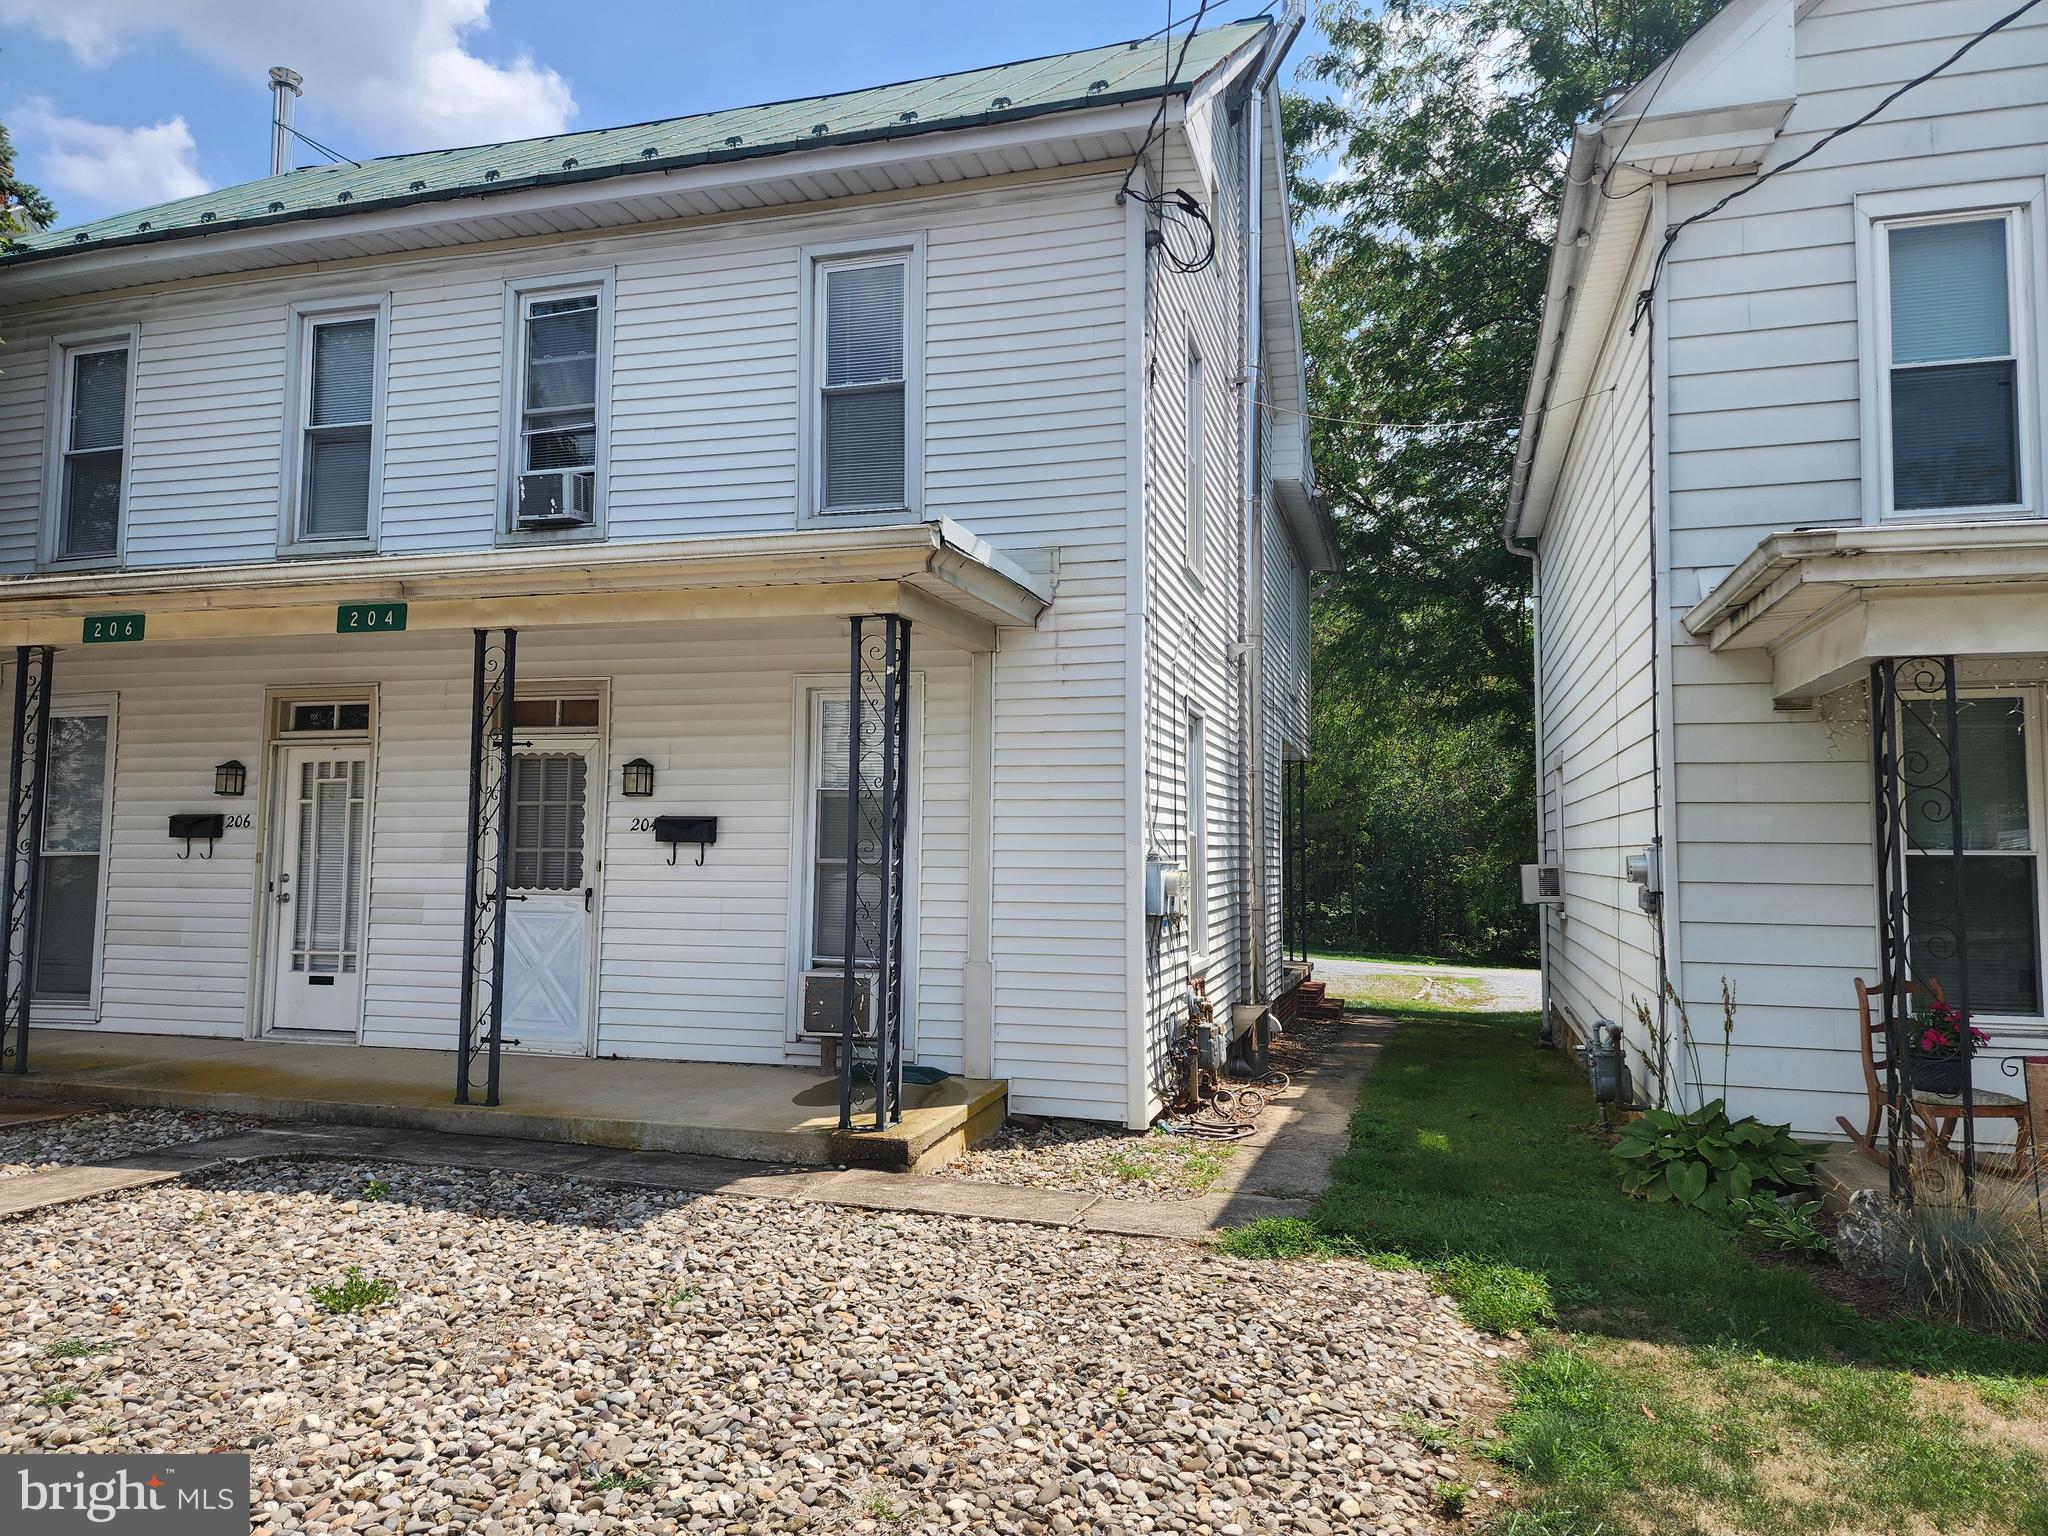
x=1251 y=560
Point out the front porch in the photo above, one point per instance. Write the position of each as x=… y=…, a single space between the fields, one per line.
x=717 y=1109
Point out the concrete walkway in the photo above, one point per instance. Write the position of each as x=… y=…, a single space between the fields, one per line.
x=1277 y=1172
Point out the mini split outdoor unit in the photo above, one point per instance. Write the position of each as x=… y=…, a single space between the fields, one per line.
x=824 y=1004
x=557 y=498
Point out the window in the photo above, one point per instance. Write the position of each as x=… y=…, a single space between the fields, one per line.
x=68 y=875
x=549 y=714
x=863 y=441
x=1197 y=464
x=1197 y=896
x=337 y=467
x=829 y=807
x=1997 y=751
x=557 y=399
x=1955 y=385
x=93 y=441
x=548 y=790
x=322 y=717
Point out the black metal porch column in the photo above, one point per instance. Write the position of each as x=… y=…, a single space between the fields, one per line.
x=1922 y=937
x=493 y=679
x=877 y=787
x=27 y=769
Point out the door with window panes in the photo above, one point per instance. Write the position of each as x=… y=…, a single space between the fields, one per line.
x=550 y=918
x=71 y=870
x=318 y=870
x=2000 y=913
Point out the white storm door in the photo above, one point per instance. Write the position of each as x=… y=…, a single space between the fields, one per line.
x=316 y=889
x=550 y=890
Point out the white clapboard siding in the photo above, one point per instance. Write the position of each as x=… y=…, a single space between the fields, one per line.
x=1191 y=618
x=1770 y=825
x=1594 y=653
x=1024 y=408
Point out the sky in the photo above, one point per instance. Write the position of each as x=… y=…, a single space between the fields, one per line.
x=115 y=104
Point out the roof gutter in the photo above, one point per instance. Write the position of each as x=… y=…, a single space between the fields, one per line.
x=1577 y=215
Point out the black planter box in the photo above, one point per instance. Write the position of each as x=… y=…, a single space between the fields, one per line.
x=1934 y=1072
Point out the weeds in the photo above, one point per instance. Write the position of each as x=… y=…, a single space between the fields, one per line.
x=354 y=1292
x=58 y=1397
x=625 y=1482
x=376 y=1189
x=77 y=1349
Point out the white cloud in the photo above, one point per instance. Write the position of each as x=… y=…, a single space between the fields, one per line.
x=400 y=73
x=103 y=165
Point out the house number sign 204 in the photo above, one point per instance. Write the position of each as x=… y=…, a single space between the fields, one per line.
x=369 y=618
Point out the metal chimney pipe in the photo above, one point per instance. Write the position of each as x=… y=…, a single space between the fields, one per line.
x=284 y=85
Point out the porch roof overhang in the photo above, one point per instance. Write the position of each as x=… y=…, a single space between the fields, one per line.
x=937 y=574
x=1825 y=603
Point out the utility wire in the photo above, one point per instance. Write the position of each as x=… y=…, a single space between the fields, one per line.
x=1165 y=91
x=1425 y=426
x=1671 y=235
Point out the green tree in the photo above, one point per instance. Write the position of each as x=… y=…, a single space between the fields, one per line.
x=23 y=208
x=1426 y=179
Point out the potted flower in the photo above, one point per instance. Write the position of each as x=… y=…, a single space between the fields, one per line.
x=1934 y=1056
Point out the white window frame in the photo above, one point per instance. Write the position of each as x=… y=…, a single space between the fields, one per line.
x=2019 y=1028
x=520 y=292
x=298 y=411
x=2020 y=202
x=43 y=1010
x=63 y=350
x=1195 y=772
x=1195 y=448
x=907 y=247
x=809 y=693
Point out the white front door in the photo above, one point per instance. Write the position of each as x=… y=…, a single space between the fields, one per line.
x=550 y=891
x=316 y=888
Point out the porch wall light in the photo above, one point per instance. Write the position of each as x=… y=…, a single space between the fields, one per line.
x=638 y=778
x=230 y=778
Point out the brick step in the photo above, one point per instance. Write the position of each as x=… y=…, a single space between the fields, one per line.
x=1312 y=991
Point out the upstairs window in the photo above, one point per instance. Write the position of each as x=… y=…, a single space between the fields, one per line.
x=862 y=449
x=864 y=390
x=337 y=448
x=556 y=401
x=1956 y=385
x=94 y=450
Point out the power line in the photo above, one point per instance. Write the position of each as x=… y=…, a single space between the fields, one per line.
x=1425 y=426
x=1165 y=90
x=1671 y=235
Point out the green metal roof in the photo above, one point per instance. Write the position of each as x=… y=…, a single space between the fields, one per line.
x=1093 y=77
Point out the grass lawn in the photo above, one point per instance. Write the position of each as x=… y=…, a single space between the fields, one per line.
x=1674 y=1384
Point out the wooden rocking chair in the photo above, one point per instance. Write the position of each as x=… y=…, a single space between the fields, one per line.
x=1938 y=1113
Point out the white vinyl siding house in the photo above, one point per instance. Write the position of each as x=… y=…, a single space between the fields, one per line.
x=1840 y=369
x=677 y=438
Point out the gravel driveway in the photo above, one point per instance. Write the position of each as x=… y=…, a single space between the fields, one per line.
x=567 y=1356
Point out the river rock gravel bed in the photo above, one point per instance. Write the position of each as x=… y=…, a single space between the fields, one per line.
x=564 y=1356
x=100 y=1134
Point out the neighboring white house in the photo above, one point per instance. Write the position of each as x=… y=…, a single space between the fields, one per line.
x=1811 y=455
x=285 y=468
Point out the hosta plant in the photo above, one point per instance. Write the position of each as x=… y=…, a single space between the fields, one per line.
x=1704 y=1160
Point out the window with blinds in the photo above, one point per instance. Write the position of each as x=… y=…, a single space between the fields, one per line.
x=337 y=451
x=864 y=385
x=831 y=803
x=558 y=398
x=1955 y=368
x=95 y=453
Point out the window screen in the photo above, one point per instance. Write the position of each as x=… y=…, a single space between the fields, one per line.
x=341 y=385
x=68 y=878
x=828 y=851
x=864 y=386
x=548 y=808
x=1954 y=370
x=95 y=448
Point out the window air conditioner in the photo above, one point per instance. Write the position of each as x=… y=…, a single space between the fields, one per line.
x=824 y=993
x=557 y=498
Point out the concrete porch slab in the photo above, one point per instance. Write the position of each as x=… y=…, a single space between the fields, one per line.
x=714 y=1109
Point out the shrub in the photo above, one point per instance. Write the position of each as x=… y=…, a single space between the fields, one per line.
x=1704 y=1160
x=353 y=1293
x=1984 y=1266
